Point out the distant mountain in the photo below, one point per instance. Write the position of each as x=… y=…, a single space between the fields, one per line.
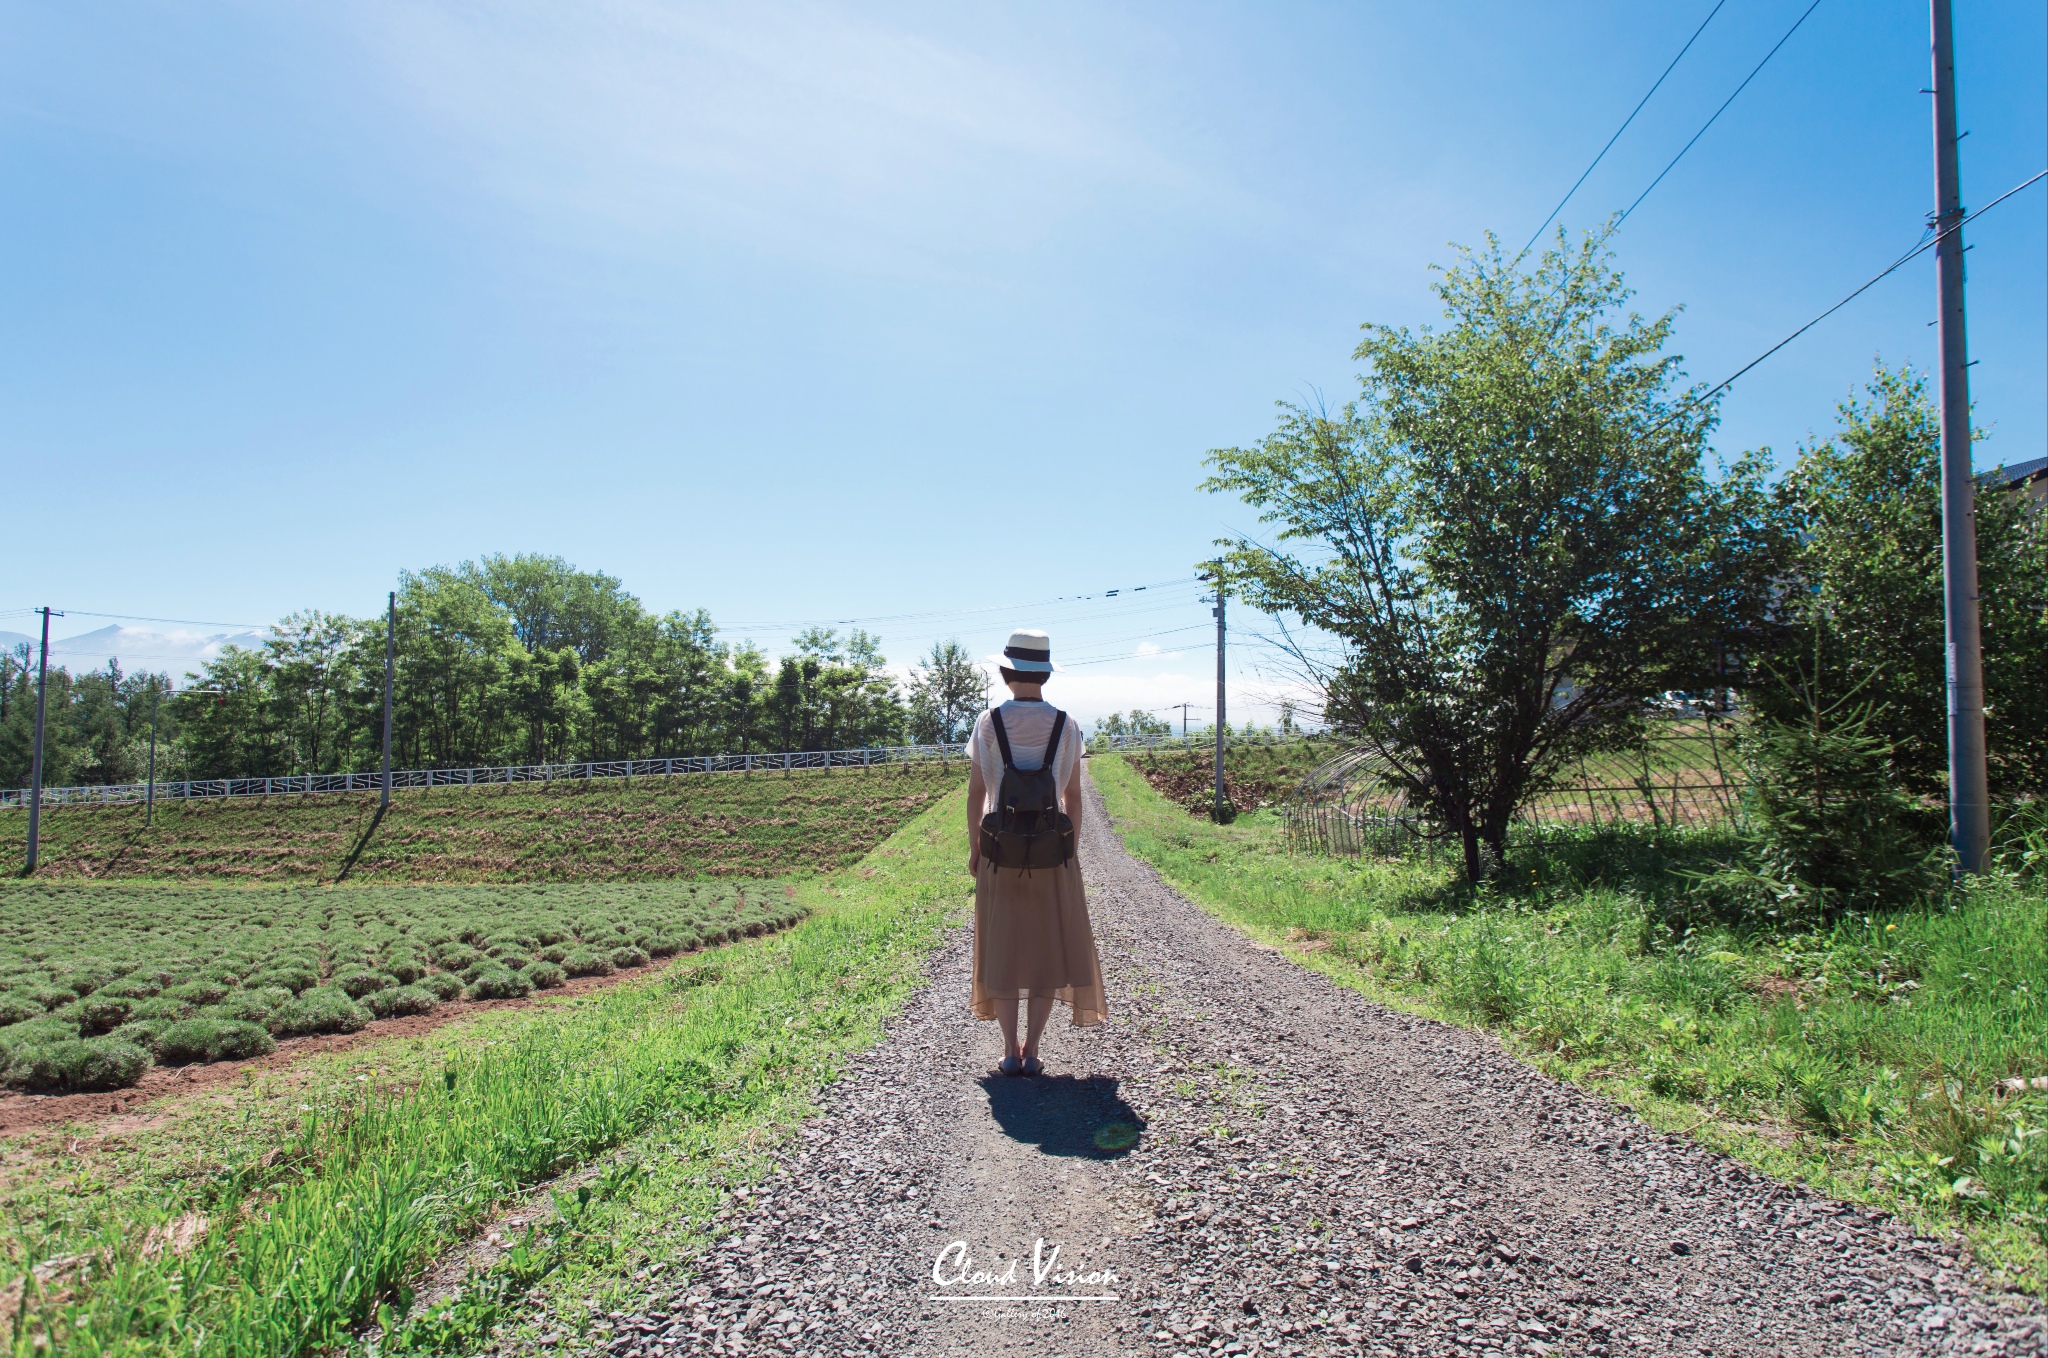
x=173 y=652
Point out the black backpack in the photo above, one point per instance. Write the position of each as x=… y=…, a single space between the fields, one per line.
x=1027 y=829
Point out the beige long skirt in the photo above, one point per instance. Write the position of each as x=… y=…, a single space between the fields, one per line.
x=1032 y=938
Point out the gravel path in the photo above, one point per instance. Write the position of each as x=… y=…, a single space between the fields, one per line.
x=1315 y=1175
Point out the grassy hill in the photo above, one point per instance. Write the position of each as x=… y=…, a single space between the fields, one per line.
x=701 y=825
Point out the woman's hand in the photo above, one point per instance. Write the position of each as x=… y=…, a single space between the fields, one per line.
x=977 y=793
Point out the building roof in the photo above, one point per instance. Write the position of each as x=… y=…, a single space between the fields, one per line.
x=2015 y=473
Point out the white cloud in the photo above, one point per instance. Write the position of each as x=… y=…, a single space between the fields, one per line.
x=787 y=126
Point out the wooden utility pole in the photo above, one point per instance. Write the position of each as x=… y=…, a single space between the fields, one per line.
x=390 y=661
x=1969 y=796
x=35 y=775
x=1182 y=708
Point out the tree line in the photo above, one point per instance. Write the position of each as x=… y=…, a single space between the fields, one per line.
x=1517 y=548
x=507 y=660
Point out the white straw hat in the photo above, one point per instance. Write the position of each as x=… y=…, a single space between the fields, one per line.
x=1029 y=652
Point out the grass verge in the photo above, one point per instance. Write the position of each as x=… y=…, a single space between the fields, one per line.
x=285 y=1230
x=693 y=825
x=1875 y=1059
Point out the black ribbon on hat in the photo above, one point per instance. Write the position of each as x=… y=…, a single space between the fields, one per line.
x=1019 y=653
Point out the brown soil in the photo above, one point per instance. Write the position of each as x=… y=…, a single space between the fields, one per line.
x=25 y=1112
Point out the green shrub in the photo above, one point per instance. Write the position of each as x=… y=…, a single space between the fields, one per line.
x=248 y=1006
x=1829 y=830
x=291 y=978
x=141 y=1034
x=628 y=957
x=500 y=984
x=198 y=994
x=545 y=975
x=663 y=945
x=48 y=996
x=131 y=988
x=584 y=962
x=100 y=1063
x=361 y=981
x=455 y=956
x=405 y=969
x=48 y=1028
x=443 y=985
x=82 y=981
x=554 y=952
x=103 y=1013
x=323 y=1009
x=16 y=1008
x=162 y=1008
x=201 y=1040
x=405 y=999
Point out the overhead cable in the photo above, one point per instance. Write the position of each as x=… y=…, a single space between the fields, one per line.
x=1876 y=278
x=1717 y=113
x=1624 y=125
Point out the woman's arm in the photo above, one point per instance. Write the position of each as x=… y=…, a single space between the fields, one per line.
x=977 y=793
x=1072 y=797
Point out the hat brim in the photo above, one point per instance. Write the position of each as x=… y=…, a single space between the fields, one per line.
x=1027 y=666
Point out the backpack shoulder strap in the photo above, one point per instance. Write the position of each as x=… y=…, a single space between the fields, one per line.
x=995 y=717
x=1052 y=744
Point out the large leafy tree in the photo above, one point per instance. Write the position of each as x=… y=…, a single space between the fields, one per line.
x=1865 y=612
x=1510 y=535
x=947 y=692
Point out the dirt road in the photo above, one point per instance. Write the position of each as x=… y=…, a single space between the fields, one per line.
x=1314 y=1175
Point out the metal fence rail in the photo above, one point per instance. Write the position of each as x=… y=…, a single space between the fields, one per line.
x=305 y=784
x=1683 y=773
x=1201 y=740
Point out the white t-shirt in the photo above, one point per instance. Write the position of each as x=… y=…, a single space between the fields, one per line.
x=1029 y=726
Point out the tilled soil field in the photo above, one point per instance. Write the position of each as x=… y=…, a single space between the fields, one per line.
x=1315 y=1175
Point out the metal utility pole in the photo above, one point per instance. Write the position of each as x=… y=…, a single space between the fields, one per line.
x=1222 y=723
x=1969 y=797
x=35 y=776
x=390 y=662
x=1182 y=708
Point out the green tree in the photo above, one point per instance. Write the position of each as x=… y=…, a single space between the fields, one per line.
x=947 y=692
x=1866 y=614
x=1510 y=536
x=1136 y=722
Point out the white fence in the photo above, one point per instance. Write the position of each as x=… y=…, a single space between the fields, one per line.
x=304 y=784
x=1197 y=740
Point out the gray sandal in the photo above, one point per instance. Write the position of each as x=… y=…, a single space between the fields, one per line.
x=1010 y=1065
x=1032 y=1066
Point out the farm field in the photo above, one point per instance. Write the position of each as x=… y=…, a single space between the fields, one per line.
x=279 y=1213
x=1894 y=1059
x=99 y=981
x=1254 y=776
x=697 y=825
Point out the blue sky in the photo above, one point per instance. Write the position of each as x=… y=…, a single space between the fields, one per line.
x=808 y=312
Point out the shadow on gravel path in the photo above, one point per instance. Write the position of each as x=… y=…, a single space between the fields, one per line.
x=1062 y=1115
x=1317 y=1177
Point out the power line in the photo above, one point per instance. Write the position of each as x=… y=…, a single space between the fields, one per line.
x=137 y=617
x=1624 y=125
x=1097 y=595
x=1717 y=113
x=1893 y=268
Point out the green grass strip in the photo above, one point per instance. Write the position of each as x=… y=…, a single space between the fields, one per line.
x=361 y=1200
x=1869 y=1058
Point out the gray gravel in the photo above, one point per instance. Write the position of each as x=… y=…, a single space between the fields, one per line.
x=1316 y=1175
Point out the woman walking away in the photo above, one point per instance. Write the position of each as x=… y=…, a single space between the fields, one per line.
x=1032 y=941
